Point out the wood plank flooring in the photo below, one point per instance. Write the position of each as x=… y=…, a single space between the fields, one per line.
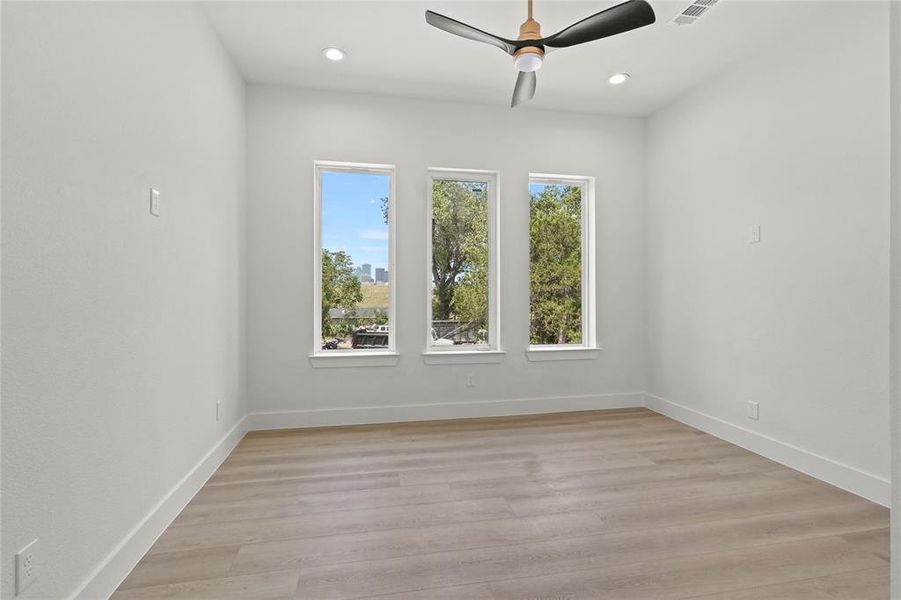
x=608 y=505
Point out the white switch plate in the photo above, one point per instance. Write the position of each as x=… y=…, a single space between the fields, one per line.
x=154 y=202
x=218 y=409
x=753 y=410
x=470 y=380
x=26 y=567
x=754 y=234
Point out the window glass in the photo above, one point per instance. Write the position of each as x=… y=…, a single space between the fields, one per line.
x=460 y=263
x=555 y=263
x=355 y=278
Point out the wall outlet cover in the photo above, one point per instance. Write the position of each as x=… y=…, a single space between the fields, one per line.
x=26 y=567
x=753 y=410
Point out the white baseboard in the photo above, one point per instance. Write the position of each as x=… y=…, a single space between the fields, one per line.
x=870 y=486
x=113 y=569
x=447 y=410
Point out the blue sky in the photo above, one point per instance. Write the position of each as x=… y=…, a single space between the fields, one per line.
x=536 y=188
x=352 y=217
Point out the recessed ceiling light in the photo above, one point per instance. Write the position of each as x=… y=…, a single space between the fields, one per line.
x=619 y=78
x=333 y=53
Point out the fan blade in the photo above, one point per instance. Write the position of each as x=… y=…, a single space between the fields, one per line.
x=467 y=31
x=617 y=19
x=525 y=87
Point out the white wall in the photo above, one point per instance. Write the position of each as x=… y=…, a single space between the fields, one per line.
x=120 y=330
x=288 y=129
x=895 y=309
x=796 y=140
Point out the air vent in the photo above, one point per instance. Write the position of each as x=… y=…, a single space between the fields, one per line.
x=693 y=12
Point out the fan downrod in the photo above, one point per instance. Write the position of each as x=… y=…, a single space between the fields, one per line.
x=529 y=30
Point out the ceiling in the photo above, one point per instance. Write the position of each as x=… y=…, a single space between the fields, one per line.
x=391 y=49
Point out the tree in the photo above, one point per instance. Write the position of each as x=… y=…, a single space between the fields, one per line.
x=556 y=265
x=459 y=250
x=470 y=303
x=340 y=289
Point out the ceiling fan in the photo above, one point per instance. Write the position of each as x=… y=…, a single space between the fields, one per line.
x=529 y=48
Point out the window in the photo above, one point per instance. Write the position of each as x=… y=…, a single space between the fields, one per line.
x=561 y=263
x=462 y=261
x=354 y=259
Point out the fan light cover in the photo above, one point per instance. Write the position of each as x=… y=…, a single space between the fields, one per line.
x=528 y=62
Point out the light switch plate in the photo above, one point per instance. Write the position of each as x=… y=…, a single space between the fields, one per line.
x=754 y=234
x=154 y=202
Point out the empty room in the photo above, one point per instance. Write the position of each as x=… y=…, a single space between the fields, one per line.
x=450 y=300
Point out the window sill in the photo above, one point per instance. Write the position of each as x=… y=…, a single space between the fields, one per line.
x=537 y=354
x=462 y=357
x=339 y=359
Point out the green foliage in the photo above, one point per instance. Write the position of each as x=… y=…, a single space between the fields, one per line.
x=340 y=289
x=460 y=251
x=379 y=318
x=556 y=267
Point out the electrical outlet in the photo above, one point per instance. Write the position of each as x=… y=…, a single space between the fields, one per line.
x=470 y=380
x=753 y=410
x=26 y=567
x=218 y=410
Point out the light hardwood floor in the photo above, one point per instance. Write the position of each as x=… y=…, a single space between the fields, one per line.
x=596 y=505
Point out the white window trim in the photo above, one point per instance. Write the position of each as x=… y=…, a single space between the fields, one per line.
x=352 y=358
x=492 y=352
x=588 y=349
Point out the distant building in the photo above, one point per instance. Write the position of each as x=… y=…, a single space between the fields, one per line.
x=381 y=275
x=364 y=273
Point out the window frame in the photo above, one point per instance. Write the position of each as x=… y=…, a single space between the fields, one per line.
x=352 y=357
x=492 y=352
x=588 y=348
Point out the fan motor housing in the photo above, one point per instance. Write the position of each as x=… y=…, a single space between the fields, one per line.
x=530 y=30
